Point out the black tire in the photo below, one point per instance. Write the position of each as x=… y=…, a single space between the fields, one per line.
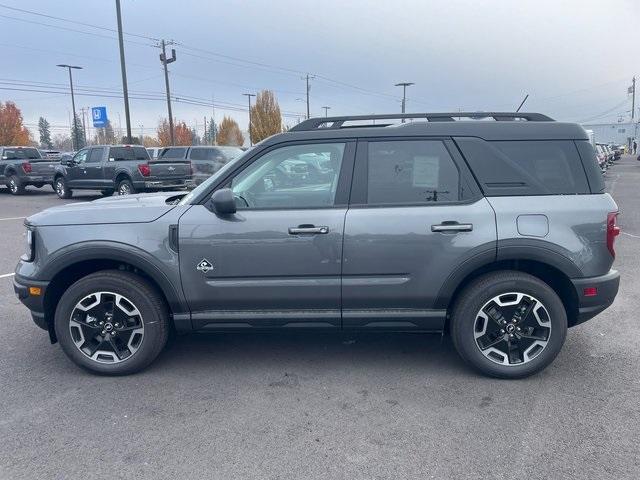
x=107 y=192
x=61 y=188
x=148 y=301
x=38 y=185
x=15 y=185
x=465 y=319
x=125 y=187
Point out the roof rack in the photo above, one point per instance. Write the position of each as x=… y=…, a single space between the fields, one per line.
x=338 y=122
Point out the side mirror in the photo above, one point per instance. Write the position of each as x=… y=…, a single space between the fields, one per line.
x=222 y=202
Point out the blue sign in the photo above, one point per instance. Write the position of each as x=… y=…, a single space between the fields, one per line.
x=99 y=115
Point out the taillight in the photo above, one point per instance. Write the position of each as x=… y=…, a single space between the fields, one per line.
x=26 y=166
x=613 y=230
x=144 y=169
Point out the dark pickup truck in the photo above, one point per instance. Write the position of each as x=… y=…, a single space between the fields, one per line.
x=205 y=159
x=22 y=166
x=125 y=169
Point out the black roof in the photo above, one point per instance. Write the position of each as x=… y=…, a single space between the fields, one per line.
x=486 y=125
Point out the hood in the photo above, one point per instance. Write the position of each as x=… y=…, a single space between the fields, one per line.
x=140 y=208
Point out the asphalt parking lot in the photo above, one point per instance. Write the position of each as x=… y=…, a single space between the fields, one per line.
x=323 y=406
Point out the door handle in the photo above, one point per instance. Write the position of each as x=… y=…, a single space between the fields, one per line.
x=308 y=230
x=452 y=227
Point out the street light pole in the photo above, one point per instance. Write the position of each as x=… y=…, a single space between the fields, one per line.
x=123 y=68
x=404 y=86
x=249 y=95
x=74 y=130
x=326 y=111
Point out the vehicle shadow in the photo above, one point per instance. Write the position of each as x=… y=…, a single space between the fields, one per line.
x=317 y=351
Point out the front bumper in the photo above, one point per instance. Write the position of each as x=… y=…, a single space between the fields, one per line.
x=606 y=289
x=35 y=303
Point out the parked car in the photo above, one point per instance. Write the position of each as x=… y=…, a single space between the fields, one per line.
x=499 y=232
x=205 y=160
x=602 y=158
x=154 y=152
x=125 y=169
x=22 y=166
x=51 y=154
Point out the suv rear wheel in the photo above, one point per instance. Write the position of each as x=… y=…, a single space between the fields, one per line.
x=16 y=187
x=508 y=324
x=112 y=323
x=61 y=188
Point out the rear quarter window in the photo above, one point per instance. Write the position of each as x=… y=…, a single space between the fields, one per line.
x=528 y=167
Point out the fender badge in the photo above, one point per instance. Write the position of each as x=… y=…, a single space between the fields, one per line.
x=204 y=266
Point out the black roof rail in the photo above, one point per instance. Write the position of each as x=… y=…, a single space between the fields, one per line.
x=338 y=122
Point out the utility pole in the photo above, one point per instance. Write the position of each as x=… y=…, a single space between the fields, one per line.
x=141 y=133
x=74 y=130
x=633 y=98
x=213 y=107
x=249 y=95
x=164 y=60
x=308 y=90
x=326 y=110
x=123 y=68
x=404 y=86
x=204 y=138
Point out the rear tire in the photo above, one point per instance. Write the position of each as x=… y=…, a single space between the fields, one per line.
x=15 y=185
x=61 y=188
x=125 y=187
x=112 y=323
x=508 y=324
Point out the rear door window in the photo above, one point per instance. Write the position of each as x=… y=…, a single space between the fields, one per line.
x=529 y=167
x=409 y=172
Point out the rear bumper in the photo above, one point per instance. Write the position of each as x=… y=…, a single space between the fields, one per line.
x=606 y=288
x=37 y=179
x=35 y=303
x=164 y=184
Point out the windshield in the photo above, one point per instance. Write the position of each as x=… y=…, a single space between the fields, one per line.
x=204 y=186
x=21 y=154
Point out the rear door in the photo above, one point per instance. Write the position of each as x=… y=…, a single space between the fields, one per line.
x=415 y=216
x=277 y=261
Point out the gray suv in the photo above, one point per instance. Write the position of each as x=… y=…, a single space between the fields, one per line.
x=495 y=229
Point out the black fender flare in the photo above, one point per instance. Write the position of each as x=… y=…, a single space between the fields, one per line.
x=119 y=252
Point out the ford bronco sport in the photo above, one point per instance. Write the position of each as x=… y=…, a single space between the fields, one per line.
x=495 y=229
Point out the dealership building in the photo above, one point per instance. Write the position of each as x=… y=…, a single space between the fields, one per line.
x=622 y=133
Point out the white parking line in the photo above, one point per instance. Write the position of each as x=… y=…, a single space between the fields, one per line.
x=7 y=275
x=11 y=218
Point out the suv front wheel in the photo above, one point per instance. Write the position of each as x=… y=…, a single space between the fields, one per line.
x=112 y=323
x=508 y=324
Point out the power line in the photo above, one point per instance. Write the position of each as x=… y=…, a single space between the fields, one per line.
x=76 y=22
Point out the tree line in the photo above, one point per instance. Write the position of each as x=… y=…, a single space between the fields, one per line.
x=266 y=120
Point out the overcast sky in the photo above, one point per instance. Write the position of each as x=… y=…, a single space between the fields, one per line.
x=575 y=58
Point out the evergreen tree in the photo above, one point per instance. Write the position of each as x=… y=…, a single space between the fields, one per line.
x=45 y=133
x=78 y=132
x=212 y=132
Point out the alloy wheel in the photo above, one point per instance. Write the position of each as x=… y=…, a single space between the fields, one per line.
x=512 y=328
x=13 y=186
x=60 y=188
x=124 y=189
x=106 y=327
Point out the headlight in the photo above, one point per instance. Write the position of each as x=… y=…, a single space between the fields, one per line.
x=31 y=246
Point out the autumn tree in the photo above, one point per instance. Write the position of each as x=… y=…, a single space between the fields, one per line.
x=229 y=133
x=181 y=133
x=44 y=129
x=105 y=135
x=12 y=129
x=149 y=141
x=265 y=117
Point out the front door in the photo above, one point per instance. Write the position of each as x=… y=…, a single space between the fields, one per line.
x=94 y=176
x=76 y=171
x=278 y=260
x=415 y=218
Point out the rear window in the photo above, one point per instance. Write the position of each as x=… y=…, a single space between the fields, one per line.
x=129 y=153
x=215 y=153
x=531 y=167
x=21 y=154
x=173 y=153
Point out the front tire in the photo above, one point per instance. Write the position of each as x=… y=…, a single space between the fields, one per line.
x=61 y=188
x=112 y=323
x=16 y=187
x=508 y=324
